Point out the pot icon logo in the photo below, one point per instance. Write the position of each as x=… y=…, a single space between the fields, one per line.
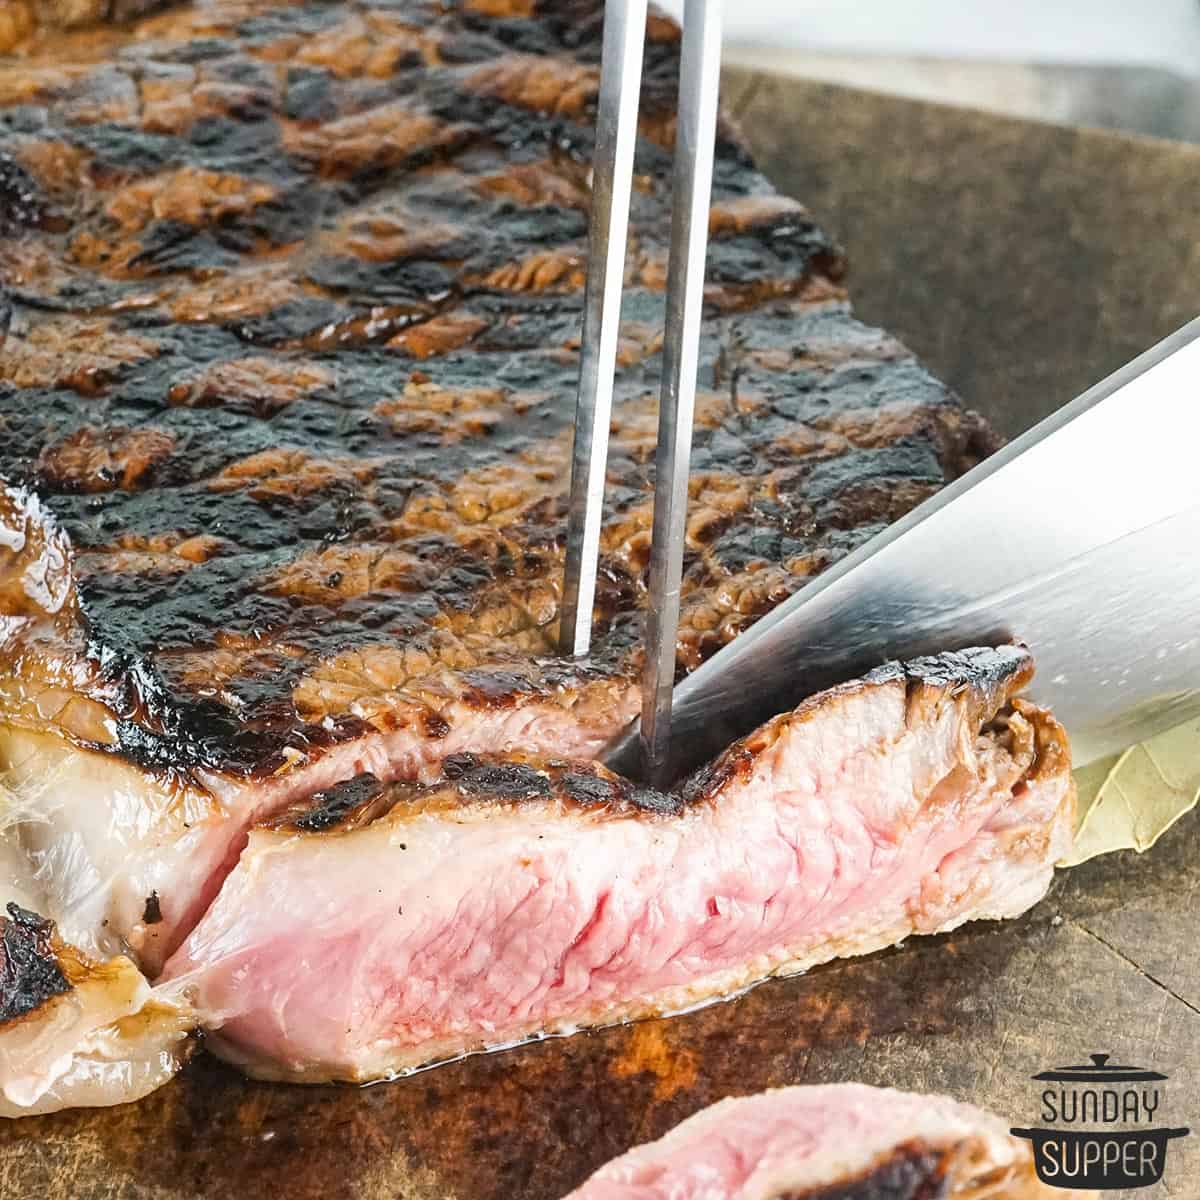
x=1102 y=1126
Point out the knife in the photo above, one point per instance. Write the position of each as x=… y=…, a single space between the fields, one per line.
x=1080 y=539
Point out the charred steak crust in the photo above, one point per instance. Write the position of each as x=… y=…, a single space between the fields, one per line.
x=152 y=911
x=983 y=678
x=333 y=805
x=293 y=373
x=480 y=779
x=30 y=972
x=22 y=206
x=496 y=779
x=911 y=1172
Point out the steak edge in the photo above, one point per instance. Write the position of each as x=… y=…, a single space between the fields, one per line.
x=378 y=930
x=74 y=1031
x=841 y=1141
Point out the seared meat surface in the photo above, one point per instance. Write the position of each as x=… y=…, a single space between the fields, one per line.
x=374 y=930
x=294 y=295
x=290 y=295
x=292 y=365
x=834 y=1142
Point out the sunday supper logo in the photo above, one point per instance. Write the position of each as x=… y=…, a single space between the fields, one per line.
x=1101 y=1126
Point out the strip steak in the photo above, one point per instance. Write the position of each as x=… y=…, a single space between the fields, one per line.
x=289 y=298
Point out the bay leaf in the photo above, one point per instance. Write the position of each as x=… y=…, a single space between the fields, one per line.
x=1128 y=801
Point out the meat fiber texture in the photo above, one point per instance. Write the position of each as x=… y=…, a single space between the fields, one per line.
x=835 y=1142
x=289 y=306
x=293 y=297
x=379 y=930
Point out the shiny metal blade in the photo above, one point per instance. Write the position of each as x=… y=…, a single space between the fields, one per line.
x=699 y=84
x=1080 y=539
x=612 y=179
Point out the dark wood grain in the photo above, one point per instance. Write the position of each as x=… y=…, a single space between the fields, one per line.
x=1024 y=261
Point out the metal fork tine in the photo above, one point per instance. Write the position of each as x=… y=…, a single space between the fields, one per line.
x=692 y=189
x=612 y=175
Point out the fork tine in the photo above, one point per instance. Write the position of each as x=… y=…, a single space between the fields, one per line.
x=695 y=135
x=612 y=176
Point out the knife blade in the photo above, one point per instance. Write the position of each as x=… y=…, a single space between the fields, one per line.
x=1080 y=539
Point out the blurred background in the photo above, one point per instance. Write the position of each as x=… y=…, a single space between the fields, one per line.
x=986 y=165
x=1114 y=64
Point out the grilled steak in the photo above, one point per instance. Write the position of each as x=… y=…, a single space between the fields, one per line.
x=374 y=930
x=291 y=296
x=836 y=1142
x=295 y=299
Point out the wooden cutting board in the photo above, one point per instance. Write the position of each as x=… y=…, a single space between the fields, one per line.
x=1023 y=262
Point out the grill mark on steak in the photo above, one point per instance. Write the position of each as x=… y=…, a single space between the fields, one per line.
x=911 y=1172
x=22 y=204
x=335 y=806
x=980 y=679
x=30 y=973
x=318 y=300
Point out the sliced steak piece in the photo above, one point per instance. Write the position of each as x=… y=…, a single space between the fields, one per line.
x=75 y=1031
x=842 y=1141
x=378 y=929
x=293 y=295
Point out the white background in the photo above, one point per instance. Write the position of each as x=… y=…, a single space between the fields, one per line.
x=1163 y=33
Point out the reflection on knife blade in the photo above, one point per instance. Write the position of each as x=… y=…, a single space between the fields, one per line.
x=1075 y=539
